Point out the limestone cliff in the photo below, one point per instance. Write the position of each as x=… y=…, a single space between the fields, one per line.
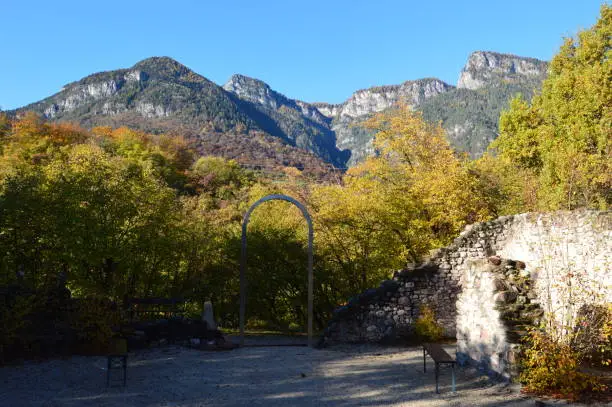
x=363 y=103
x=484 y=68
x=379 y=98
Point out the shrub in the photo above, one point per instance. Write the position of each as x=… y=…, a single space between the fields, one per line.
x=426 y=327
x=14 y=320
x=592 y=337
x=549 y=367
x=93 y=322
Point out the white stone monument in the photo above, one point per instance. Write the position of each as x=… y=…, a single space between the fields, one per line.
x=208 y=316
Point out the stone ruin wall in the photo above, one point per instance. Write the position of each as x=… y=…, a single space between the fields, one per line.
x=550 y=245
x=564 y=249
x=497 y=303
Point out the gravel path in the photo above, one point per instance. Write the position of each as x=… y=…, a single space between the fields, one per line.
x=252 y=376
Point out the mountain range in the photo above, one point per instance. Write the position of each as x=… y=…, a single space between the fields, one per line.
x=246 y=120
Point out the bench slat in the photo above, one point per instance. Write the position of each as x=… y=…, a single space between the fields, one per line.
x=438 y=354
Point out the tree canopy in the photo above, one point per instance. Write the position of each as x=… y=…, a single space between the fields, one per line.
x=563 y=136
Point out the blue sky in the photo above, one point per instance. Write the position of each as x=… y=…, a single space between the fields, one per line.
x=313 y=51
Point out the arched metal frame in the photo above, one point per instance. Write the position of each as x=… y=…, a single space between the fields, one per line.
x=243 y=282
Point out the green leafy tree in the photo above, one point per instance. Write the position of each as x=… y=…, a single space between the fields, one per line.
x=563 y=135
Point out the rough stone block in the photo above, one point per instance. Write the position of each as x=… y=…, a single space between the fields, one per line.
x=505 y=297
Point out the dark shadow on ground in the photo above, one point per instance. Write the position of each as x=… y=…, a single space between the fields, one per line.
x=270 y=376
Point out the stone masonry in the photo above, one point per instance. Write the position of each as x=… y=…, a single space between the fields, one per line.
x=549 y=245
x=496 y=306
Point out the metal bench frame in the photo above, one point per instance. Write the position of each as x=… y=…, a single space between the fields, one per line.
x=122 y=359
x=436 y=351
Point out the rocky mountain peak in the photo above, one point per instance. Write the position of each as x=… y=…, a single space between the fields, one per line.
x=253 y=90
x=154 y=88
x=162 y=66
x=238 y=80
x=166 y=69
x=485 y=67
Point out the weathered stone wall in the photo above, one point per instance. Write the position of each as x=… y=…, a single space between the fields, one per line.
x=496 y=304
x=389 y=311
x=552 y=245
x=568 y=254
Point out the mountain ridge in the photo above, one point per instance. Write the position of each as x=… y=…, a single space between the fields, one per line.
x=159 y=94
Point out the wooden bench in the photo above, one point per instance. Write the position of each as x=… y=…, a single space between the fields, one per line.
x=440 y=357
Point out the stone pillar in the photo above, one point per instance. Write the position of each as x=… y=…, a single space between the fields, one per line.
x=208 y=316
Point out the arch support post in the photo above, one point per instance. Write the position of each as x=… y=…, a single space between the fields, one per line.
x=243 y=252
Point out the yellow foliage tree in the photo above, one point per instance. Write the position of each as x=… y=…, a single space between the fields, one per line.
x=563 y=136
x=415 y=194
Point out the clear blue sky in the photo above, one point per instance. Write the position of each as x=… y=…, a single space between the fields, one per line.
x=309 y=50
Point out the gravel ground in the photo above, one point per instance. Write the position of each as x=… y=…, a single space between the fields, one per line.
x=254 y=376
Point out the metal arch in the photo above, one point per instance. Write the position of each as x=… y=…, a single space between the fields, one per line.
x=243 y=283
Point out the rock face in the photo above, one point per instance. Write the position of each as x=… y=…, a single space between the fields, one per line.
x=80 y=95
x=485 y=67
x=486 y=306
x=470 y=118
x=470 y=113
x=327 y=109
x=258 y=92
x=379 y=98
x=253 y=90
x=347 y=117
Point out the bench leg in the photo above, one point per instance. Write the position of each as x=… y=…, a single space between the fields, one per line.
x=424 y=362
x=437 y=377
x=124 y=371
x=454 y=378
x=108 y=369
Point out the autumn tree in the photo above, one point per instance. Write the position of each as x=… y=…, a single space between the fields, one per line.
x=101 y=206
x=5 y=124
x=414 y=195
x=563 y=136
